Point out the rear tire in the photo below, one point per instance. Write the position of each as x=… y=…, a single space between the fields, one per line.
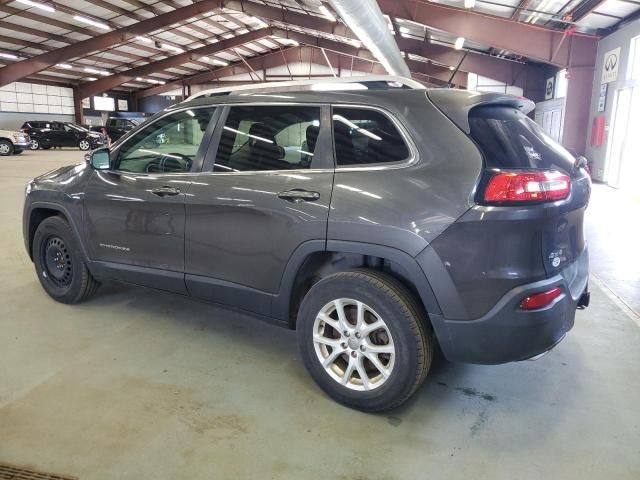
x=394 y=355
x=6 y=148
x=59 y=263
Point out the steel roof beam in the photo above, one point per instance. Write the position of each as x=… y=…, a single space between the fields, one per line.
x=103 y=84
x=531 y=41
x=41 y=62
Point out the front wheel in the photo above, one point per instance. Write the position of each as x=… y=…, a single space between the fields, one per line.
x=84 y=145
x=6 y=148
x=35 y=145
x=59 y=263
x=364 y=339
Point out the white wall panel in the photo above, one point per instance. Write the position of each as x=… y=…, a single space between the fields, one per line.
x=25 y=98
x=41 y=89
x=23 y=87
x=25 y=107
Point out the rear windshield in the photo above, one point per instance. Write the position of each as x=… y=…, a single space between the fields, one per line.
x=510 y=139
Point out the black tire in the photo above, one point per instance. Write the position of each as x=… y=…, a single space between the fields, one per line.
x=405 y=320
x=6 y=148
x=59 y=263
x=35 y=144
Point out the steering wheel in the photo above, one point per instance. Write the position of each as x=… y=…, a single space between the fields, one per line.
x=170 y=162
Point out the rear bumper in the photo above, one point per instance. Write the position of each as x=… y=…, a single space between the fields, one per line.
x=507 y=333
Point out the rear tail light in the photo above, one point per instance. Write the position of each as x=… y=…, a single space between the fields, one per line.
x=540 y=300
x=527 y=186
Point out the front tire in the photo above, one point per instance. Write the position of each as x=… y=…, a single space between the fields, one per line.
x=364 y=339
x=6 y=148
x=84 y=145
x=35 y=144
x=59 y=263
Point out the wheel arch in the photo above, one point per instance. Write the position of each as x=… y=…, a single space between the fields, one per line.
x=313 y=261
x=40 y=211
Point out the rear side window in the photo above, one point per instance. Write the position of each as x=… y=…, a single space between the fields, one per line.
x=259 y=138
x=510 y=139
x=363 y=136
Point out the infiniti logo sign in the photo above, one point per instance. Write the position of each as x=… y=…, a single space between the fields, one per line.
x=611 y=62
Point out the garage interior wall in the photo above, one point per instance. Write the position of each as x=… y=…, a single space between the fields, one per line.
x=621 y=38
x=21 y=101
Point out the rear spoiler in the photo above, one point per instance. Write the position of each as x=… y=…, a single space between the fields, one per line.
x=456 y=104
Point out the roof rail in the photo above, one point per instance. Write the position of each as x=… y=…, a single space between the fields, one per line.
x=363 y=82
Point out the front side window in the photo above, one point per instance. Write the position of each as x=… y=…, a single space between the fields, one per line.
x=168 y=145
x=259 y=138
x=363 y=136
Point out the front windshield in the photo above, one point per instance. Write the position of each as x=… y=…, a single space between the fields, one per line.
x=75 y=127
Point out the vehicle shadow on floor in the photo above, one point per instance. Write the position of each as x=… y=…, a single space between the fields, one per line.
x=523 y=393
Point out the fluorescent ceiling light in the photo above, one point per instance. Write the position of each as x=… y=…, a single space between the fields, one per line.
x=8 y=55
x=356 y=43
x=93 y=70
x=92 y=79
x=89 y=21
x=469 y=3
x=459 y=43
x=144 y=39
x=327 y=14
x=171 y=47
x=452 y=68
x=41 y=6
x=404 y=30
x=138 y=79
x=64 y=65
x=260 y=23
x=219 y=62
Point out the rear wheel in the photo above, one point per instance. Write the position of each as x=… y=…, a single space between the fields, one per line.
x=6 y=148
x=84 y=145
x=59 y=263
x=363 y=338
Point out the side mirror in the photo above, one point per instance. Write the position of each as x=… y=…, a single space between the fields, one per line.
x=100 y=159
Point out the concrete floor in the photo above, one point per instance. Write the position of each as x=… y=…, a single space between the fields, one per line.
x=139 y=384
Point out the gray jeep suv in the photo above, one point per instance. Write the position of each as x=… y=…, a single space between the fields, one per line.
x=380 y=224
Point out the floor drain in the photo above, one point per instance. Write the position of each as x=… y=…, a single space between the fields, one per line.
x=11 y=472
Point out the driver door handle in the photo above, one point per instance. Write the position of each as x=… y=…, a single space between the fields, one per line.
x=297 y=195
x=166 y=191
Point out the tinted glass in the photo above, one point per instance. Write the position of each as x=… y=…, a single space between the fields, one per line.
x=510 y=139
x=167 y=145
x=268 y=138
x=364 y=136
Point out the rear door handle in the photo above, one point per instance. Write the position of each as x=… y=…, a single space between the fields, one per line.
x=297 y=195
x=166 y=191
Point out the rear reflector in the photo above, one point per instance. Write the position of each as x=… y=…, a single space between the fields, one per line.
x=540 y=300
x=529 y=186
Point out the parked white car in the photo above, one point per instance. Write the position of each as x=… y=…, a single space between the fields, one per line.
x=13 y=142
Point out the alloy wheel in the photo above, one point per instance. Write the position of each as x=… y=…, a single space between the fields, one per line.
x=5 y=148
x=84 y=145
x=35 y=145
x=353 y=344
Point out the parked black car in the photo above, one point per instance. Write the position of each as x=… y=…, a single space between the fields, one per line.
x=46 y=134
x=376 y=223
x=115 y=127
